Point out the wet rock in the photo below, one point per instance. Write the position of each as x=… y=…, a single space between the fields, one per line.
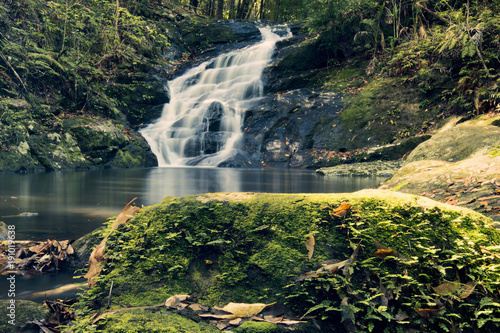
x=458 y=143
x=367 y=169
x=204 y=36
x=24 y=311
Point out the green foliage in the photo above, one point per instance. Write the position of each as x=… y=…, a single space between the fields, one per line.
x=254 y=249
x=66 y=50
x=395 y=292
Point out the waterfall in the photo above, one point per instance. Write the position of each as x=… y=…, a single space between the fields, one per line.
x=201 y=125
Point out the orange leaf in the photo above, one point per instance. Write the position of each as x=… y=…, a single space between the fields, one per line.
x=341 y=211
x=428 y=313
x=383 y=253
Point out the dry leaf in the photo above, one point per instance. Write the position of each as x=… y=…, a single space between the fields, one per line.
x=341 y=211
x=446 y=288
x=310 y=246
x=351 y=260
x=381 y=254
x=333 y=267
x=401 y=316
x=237 y=321
x=244 y=310
x=466 y=290
x=174 y=302
x=428 y=313
x=97 y=254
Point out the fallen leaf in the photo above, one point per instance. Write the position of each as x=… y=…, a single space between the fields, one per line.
x=237 y=321
x=466 y=290
x=446 y=288
x=341 y=211
x=244 y=310
x=174 y=302
x=97 y=254
x=333 y=267
x=351 y=260
x=401 y=316
x=310 y=246
x=428 y=313
x=383 y=253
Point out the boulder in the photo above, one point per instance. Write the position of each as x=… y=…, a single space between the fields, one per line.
x=375 y=253
x=459 y=165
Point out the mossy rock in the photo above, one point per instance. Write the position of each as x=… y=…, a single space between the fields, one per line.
x=466 y=140
x=24 y=311
x=247 y=247
x=139 y=321
x=384 y=110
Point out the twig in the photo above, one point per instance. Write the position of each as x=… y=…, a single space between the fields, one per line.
x=109 y=296
x=14 y=71
x=127 y=309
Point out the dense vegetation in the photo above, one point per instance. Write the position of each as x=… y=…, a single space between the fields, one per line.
x=65 y=56
x=59 y=55
x=385 y=262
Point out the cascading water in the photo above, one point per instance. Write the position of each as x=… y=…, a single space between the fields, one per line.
x=201 y=124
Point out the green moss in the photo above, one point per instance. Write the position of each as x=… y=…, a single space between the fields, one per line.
x=138 y=321
x=243 y=247
x=385 y=110
x=24 y=311
x=258 y=327
x=495 y=152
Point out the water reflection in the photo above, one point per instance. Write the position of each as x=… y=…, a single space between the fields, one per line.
x=74 y=203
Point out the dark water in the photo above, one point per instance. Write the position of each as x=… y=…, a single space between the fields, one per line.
x=72 y=204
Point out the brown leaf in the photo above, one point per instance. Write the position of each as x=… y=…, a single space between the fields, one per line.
x=175 y=302
x=446 y=288
x=237 y=321
x=489 y=197
x=401 y=316
x=428 y=313
x=341 y=211
x=70 y=250
x=333 y=267
x=466 y=290
x=310 y=246
x=97 y=254
x=351 y=260
x=243 y=310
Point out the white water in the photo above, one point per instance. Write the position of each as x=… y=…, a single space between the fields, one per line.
x=201 y=125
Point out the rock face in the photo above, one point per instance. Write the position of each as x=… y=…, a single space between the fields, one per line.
x=459 y=165
x=76 y=142
x=300 y=121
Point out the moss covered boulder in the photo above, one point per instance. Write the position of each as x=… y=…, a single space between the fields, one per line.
x=354 y=262
x=459 y=165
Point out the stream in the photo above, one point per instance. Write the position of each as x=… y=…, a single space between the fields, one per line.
x=69 y=205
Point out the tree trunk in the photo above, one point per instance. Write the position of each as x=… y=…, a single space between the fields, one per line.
x=276 y=14
x=194 y=5
x=261 y=9
x=242 y=9
x=220 y=9
x=231 y=4
x=249 y=12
